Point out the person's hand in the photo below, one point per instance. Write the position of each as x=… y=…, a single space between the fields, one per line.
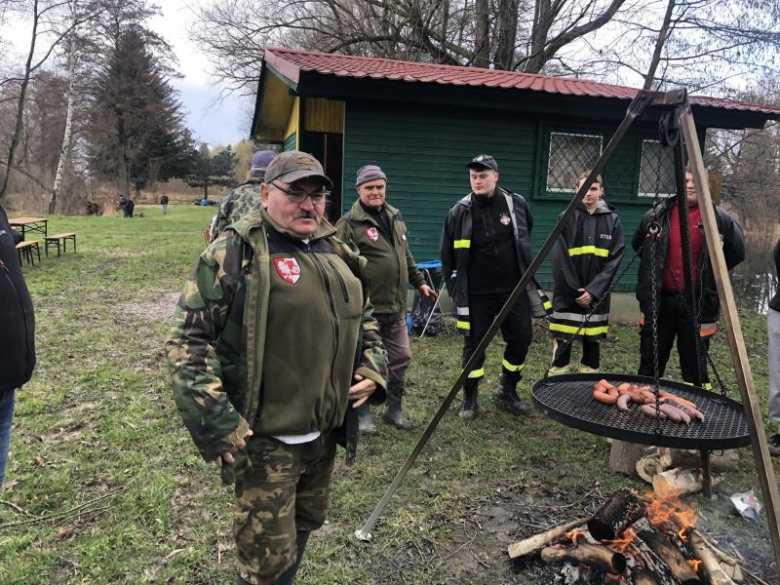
x=227 y=456
x=361 y=391
x=428 y=292
x=585 y=299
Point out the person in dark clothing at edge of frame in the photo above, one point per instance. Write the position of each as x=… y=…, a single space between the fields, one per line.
x=773 y=327
x=271 y=339
x=673 y=315
x=485 y=249
x=585 y=259
x=164 y=200
x=378 y=230
x=17 y=334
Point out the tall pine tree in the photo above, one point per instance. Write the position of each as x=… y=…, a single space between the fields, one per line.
x=136 y=132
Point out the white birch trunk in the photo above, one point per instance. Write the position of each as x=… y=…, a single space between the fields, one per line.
x=66 y=138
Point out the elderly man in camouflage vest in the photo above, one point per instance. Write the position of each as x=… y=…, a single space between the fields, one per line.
x=245 y=198
x=379 y=232
x=272 y=338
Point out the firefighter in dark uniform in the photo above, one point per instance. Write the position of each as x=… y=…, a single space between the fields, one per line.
x=485 y=249
x=674 y=319
x=585 y=259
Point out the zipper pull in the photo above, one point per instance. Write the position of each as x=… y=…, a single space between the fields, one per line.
x=3 y=266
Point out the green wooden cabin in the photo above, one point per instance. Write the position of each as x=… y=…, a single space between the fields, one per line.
x=422 y=123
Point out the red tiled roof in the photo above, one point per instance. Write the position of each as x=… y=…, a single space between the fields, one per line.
x=290 y=63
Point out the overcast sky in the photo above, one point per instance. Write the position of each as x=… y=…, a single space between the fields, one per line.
x=211 y=120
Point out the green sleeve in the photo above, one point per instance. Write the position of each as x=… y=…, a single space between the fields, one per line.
x=198 y=323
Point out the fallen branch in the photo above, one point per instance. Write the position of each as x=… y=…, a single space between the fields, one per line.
x=17 y=508
x=536 y=542
x=708 y=559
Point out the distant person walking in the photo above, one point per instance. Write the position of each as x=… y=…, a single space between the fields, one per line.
x=773 y=323
x=164 y=204
x=17 y=337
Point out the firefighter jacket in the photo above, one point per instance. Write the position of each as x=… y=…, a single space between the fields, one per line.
x=586 y=255
x=268 y=333
x=17 y=321
x=455 y=244
x=391 y=266
x=705 y=291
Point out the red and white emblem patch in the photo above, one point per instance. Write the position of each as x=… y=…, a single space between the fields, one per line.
x=288 y=269
x=504 y=219
x=373 y=234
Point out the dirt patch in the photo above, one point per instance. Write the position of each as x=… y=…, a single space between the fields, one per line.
x=156 y=311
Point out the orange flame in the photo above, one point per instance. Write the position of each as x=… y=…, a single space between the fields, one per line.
x=670 y=515
x=694 y=563
x=573 y=535
x=621 y=544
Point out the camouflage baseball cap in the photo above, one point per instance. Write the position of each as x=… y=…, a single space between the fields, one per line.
x=295 y=165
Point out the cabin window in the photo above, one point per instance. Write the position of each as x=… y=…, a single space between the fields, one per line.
x=570 y=155
x=656 y=172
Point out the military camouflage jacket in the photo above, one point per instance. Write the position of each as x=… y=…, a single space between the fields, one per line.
x=219 y=330
x=240 y=202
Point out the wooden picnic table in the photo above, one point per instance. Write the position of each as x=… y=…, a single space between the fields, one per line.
x=37 y=225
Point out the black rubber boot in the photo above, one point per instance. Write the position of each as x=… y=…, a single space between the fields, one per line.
x=288 y=577
x=393 y=413
x=367 y=426
x=507 y=399
x=470 y=408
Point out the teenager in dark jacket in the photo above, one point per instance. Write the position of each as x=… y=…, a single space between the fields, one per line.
x=585 y=259
x=485 y=249
x=673 y=318
x=17 y=334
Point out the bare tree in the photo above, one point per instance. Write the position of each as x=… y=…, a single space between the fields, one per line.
x=503 y=34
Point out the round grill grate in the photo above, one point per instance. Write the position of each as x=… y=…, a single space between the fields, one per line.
x=569 y=400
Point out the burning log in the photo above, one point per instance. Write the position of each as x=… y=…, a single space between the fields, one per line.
x=643 y=577
x=594 y=555
x=536 y=542
x=619 y=512
x=670 y=555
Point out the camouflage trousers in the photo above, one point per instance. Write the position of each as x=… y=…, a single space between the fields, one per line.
x=283 y=489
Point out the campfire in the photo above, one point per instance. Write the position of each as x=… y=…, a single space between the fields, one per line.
x=634 y=539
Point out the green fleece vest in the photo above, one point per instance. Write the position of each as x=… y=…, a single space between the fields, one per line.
x=312 y=335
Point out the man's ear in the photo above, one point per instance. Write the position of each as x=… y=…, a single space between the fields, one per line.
x=264 y=194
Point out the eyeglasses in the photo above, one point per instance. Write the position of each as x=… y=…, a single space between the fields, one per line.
x=299 y=196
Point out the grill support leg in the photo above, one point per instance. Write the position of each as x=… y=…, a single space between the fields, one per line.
x=705 y=473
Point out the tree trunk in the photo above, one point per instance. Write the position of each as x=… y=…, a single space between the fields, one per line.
x=539 y=32
x=17 y=136
x=663 y=36
x=482 y=34
x=66 y=138
x=507 y=34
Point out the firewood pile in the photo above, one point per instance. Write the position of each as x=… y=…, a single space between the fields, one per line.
x=633 y=540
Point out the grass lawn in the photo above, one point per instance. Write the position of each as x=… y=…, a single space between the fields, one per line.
x=104 y=485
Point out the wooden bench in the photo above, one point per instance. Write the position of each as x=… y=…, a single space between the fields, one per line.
x=57 y=238
x=27 y=249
